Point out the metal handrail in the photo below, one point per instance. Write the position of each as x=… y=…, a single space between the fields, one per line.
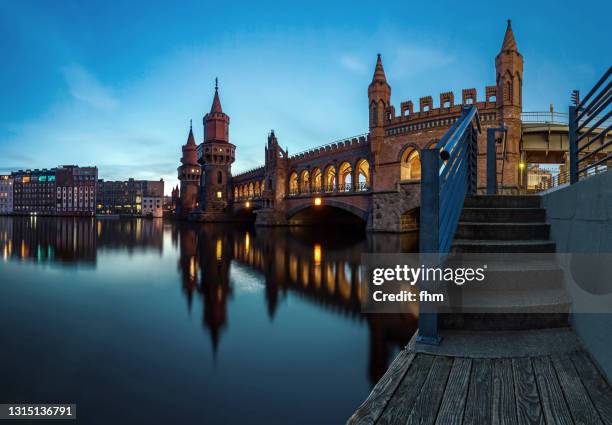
x=597 y=105
x=449 y=173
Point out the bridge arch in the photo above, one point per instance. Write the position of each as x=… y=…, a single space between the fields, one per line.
x=362 y=174
x=345 y=178
x=356 y=212
x=330 y=178
x=304 y=181
x=316 y=178
x=293 y=182
x=410 y=163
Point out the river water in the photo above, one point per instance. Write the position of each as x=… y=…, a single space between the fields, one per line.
x=151 y=322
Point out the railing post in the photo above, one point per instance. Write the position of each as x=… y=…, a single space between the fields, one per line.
x=573 y=148
x=473 y=162
x=429 y=238
x=491 y=162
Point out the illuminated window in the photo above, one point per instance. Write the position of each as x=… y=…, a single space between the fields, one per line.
x=219 y=195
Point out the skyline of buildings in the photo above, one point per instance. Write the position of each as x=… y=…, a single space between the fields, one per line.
x=72 y=190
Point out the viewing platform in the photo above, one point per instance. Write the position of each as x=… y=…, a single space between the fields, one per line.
x=514 y=377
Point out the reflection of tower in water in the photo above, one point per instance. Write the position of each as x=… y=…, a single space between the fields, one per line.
x=321 y=269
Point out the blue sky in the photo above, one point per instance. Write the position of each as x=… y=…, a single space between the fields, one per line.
x=114 y=84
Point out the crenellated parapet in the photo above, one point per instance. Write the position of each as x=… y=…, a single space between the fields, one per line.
x=430 y=116
x=333 y=148
x=256 y=173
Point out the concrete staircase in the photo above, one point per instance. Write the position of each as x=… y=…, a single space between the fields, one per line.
x=524 y=292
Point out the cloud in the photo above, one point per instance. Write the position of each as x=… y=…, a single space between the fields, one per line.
x=84 y=87
x=410 y=59
x=353 y=64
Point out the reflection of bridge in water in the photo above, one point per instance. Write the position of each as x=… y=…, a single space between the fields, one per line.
x=321 y=268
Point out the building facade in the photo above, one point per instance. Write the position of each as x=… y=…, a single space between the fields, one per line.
x=153 y=206
x=126 y=197
x=34 y=191
x=6 y=194
x=65 y=190
x=76 y=190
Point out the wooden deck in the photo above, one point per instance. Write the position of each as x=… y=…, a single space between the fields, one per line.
x=421 y=388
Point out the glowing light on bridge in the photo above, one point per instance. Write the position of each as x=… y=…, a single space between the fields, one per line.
x=521 y=165
x=247 y=204
x=318 y=201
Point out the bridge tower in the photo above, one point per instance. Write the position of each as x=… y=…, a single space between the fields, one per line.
x=509 y=81
x=379 y=100
x=189 y=176
x=216 y=159
x=275 y=184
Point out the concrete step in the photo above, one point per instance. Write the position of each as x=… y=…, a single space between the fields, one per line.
x=525 y=280
x=502 y=231
x=503 y=215
x=502 y=246
x=502 y=201
x=502 y=321
x=492 y=309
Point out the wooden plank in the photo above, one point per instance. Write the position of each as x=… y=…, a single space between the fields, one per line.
x=595 y=384
x=453 y=404
x=428 y=402
x=551 y=396
x=373 y=406
x=400 y=406
x=478 y=406
x=529 y=411
x=576 y=396
x=503 y=410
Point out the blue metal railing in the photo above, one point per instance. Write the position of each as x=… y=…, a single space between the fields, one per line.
x=448 y=175
x=586 y=119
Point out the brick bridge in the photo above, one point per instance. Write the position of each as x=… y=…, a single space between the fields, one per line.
x=373 y=178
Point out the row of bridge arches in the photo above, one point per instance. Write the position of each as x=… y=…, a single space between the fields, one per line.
x=345 y=177
x=249 y=190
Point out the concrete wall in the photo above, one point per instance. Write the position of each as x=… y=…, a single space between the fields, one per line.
x=580 y=216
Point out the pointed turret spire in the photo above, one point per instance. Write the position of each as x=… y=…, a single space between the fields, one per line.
x=216 y=105
x=190 y=138
x=509 y=43
x=379 y=72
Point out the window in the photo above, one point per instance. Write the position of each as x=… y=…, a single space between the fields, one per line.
x=219 y=177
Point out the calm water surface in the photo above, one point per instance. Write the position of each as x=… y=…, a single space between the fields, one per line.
x=151 y=322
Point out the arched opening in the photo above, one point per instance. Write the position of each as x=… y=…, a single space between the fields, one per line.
x=411 y=165
x=263 y=185
x=251 y=190
x=305 y=181
x=316 y=177
x=363 y=174
x=293 y=183
x=257 y=189
x=345 y=179
x=235 y=192
x=327 y=214
x=330 y=179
